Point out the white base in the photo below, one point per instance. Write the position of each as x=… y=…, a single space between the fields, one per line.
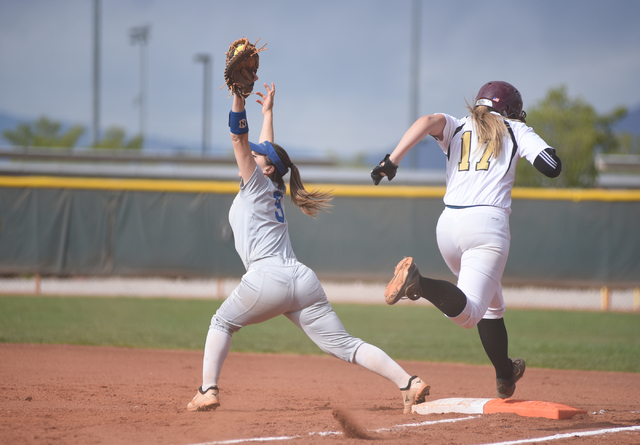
x=453 y=405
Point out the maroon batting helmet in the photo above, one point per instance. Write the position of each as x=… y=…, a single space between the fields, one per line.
x=503 y=98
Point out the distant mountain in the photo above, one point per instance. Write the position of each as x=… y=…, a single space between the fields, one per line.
x=630 y=123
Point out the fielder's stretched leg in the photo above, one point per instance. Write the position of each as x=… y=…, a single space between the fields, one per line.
x=324 y=328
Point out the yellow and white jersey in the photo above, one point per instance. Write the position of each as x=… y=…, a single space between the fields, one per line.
x=475 y=176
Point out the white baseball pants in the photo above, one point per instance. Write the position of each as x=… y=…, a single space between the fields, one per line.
x=274 y=286
x=474 y=242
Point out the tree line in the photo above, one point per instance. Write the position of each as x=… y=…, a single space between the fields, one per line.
x=570 y=125
x=45 y=132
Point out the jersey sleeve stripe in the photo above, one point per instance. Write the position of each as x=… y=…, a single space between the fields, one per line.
x=546 y=157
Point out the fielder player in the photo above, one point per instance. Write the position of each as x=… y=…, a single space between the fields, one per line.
x=276 y=282
x=473 y=231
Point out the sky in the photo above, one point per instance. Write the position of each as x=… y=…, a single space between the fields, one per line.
x=341 y=67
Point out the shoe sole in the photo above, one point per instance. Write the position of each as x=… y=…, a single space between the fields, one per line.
x=421 y=397
x=392 y=293
x=207 y=407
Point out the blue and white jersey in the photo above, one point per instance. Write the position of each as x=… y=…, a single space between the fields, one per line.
x=258 y=221
x=475 y=176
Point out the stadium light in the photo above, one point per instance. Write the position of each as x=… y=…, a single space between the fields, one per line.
x=139 y=35
x=206 y=60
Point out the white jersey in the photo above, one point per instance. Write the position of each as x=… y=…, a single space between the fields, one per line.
x=476 y=177
x=258 y=221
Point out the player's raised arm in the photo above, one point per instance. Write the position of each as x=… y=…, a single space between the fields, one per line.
x=267 y=112
x=240 y=138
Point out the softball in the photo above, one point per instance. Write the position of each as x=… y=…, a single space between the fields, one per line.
x=238 y=49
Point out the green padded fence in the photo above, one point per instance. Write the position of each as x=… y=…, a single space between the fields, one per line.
x=136 y=227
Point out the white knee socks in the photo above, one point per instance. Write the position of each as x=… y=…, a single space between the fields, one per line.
x=216 y=350
x=376 y=360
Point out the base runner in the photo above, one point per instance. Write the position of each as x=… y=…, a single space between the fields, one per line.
x=473 y=231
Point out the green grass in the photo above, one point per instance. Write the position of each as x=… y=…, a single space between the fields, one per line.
x=545 y=338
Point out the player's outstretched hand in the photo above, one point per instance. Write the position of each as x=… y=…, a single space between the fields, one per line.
x=384 y=168
x=267 y=99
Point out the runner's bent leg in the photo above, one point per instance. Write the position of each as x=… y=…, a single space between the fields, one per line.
x=474 y=243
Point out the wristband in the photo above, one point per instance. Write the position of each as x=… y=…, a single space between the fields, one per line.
x=238 y=122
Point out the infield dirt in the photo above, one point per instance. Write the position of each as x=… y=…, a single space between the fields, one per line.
x=57 y=394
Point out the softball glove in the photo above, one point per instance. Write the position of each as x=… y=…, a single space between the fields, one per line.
x=241 y=65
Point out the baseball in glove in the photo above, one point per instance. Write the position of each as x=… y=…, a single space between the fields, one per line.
x=241 y=66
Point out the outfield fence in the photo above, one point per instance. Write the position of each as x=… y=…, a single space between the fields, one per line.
x=58 y=227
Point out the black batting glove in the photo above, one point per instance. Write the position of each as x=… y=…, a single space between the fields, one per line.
x=384 y=168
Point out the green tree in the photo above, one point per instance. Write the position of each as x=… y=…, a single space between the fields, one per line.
x=577 y=132
x=115 y=137
x=43 y=133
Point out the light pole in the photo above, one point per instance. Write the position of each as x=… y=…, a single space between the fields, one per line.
x=206 y=61
x=140 y=35
x=414 y=92
x=96 y=73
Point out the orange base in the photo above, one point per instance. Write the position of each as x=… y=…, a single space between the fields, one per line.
x=530 y=408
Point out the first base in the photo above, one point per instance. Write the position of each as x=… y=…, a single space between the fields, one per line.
x=526 y=408
x=453 y=405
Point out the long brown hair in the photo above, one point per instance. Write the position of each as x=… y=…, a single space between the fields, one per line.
x=490 y=128
x=309 y=202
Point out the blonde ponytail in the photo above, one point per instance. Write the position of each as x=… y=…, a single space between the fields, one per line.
x=489 y=127
x=309 y=202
